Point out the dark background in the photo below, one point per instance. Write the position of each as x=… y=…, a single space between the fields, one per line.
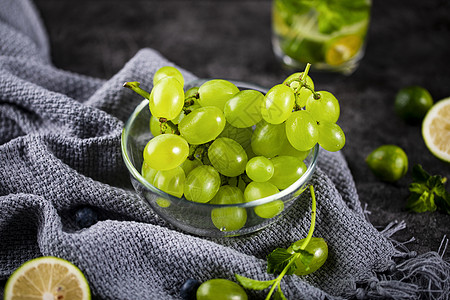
x=408 y=44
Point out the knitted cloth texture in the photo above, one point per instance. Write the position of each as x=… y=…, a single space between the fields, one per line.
x=60 y=150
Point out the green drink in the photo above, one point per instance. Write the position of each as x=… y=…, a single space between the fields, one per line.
x=329 y=34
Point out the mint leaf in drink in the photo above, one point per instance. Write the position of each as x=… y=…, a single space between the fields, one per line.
x=333 y=15
x=278 y=260
x=428 y=192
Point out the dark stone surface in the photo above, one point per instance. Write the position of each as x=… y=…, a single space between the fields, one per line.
x=408 y=44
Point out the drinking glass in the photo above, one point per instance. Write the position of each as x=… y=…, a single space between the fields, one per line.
x=329 y=34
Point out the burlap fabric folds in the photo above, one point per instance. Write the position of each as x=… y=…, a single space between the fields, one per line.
x=60 y=149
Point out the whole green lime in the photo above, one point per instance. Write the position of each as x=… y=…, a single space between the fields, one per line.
x=388 y=162
x=412 y=103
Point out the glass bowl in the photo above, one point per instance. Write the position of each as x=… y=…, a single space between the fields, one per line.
x=194 y=217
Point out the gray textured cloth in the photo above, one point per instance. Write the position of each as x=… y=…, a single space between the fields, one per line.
x=60 y=149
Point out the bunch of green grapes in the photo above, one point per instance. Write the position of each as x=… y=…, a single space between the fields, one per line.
x=217 y=144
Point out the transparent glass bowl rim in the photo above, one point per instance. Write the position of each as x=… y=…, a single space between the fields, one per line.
x=137 y=175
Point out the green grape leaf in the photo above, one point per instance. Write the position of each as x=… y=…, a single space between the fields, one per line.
x=253 y=284
x=278 y=260
x=428 y=192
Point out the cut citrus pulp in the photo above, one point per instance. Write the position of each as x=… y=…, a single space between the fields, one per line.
x=436 y=129
x=47 y=278
x=343 y=49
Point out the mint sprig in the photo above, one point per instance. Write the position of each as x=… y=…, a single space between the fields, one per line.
x=282 y=262
x=428 y=192
x=278 y=260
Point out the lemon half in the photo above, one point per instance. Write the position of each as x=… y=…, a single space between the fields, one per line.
x=47 y=278
x=436 y=129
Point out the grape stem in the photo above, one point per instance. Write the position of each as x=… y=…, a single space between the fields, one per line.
x=134 y=86
x=199 y=151
x=187 y=110
x=244 y=177
x=307 y=86
x=303 y=84
x=169 y=123
x=305 y=74
x=313 y=222
x=305 y=243
x=189 y=101
x=194 y=151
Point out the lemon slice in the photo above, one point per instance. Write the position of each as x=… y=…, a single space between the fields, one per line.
x=436 y=129
x=47 y=278
x=343 y=49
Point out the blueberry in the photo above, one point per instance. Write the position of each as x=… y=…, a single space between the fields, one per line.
x=85 y=217
x=189 y=289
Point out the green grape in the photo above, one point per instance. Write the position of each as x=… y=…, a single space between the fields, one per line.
x=240 y=135
x=155 y=128
x=301 y=130
x=202 y=125
x=258 y=190
x=202 y=184
x=318 y=248
x=289 y=150
x=184 y=113
x=192 y=92
x=216 y=92
x=168 y=71
x=167 y=98
x=220 y=289
x=244 y=108
x=162 y=202
x=324 y=109
x=148 y=173
x=267 y=139
x=287 y=170
x=228 y=218
x=269 y=210
x=171 y=181
x=227 y=156
x=303 y=94
x=331 y=136
x=259 y=169
x=278 y=104
x=190 y=164
x=166 y=151
x=178 y=118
